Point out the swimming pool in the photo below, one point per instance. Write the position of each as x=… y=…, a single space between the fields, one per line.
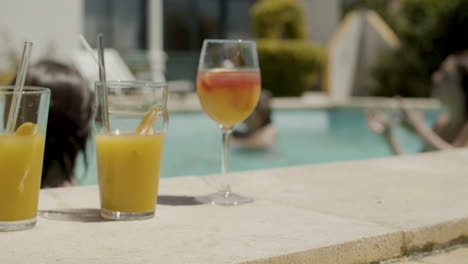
x=193 y=143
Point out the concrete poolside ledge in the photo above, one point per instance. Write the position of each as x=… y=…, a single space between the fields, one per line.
x=314 y=100
x=342 y=213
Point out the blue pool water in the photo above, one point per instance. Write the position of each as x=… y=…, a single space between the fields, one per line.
x=193 y=143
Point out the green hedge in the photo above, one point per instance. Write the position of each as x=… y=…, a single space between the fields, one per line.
x=280 y=19
x=402 y=72
x=290 y=64
x=429 y=30
x=289 y=67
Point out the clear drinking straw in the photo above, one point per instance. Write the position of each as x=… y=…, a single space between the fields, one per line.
x=88 y=48
x=103 y=86
x=18 y=90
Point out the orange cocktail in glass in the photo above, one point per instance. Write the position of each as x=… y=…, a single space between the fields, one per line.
x=228 y=96
x=21 y=157
x=228 y=86
x=129 y=149
x=129 y=167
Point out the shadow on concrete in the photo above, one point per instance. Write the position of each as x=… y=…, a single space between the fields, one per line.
x=73 y=215
x=176 y=200
x=93 y=214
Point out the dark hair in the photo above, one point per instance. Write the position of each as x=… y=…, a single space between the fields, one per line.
x=70 y=117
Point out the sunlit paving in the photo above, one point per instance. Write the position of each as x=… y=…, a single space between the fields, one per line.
x=234 y=131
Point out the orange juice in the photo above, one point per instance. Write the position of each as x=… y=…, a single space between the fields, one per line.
x=228 y=97
x=129 y=166
x=20 y=175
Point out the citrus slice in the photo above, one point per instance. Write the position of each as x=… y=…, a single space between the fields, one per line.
x=146 y=125
x=27 y=129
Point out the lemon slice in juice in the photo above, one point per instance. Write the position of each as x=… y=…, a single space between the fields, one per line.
x=146 y=125
x=27 y=129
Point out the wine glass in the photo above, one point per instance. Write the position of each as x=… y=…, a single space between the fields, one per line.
x=228 y=86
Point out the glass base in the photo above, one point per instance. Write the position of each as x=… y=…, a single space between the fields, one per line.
x=6 y=226
x=223 y=198
x=124 y=216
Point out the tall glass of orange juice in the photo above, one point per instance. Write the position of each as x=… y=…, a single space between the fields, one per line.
x=21 y=156
x=129 y=147
x=228 y=86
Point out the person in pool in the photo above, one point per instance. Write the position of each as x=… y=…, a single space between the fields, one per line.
x=70 y=115
x=450 y=86
x=257 y=131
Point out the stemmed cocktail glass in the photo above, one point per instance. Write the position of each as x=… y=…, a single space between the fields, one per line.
x=228 y=86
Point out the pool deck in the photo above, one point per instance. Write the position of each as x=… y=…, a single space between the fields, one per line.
x=312 y=100
x=342 y=213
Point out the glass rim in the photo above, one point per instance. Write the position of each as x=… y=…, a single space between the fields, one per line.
x=129 y=83
x=230 y=41
x=27 y=90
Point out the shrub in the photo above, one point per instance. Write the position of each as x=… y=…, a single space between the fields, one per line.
x=429 y=30
x=401 y=72
x=289 y=63
x=289 y=67
x=279 y=19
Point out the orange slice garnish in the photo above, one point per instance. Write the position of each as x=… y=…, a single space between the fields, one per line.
x=27 y=129
x=146 y=126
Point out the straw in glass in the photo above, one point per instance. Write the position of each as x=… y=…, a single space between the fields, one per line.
x=18 y=90
x=103 y=86
x=88 y=48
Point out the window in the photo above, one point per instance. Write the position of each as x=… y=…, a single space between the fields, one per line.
x=188 y=22
x=122 y=22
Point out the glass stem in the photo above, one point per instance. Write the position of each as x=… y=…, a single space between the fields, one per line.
x=225 y=187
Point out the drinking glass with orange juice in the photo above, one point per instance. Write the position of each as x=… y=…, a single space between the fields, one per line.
x=129 y=152
x=21 y=157
x=228 y=86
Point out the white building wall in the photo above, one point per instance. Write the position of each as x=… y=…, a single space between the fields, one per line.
x=322 y=18
x=53 y=26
